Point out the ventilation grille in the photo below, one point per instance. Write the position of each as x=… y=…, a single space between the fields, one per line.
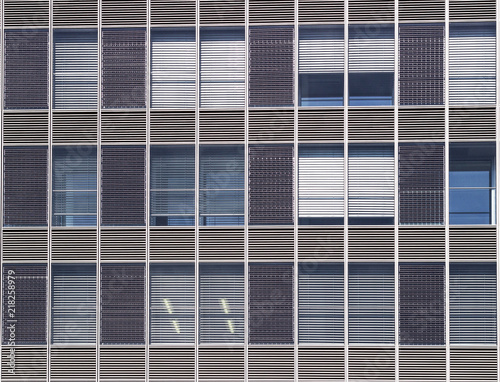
x=321 y=11
x=421 y=184
x=26 y=128
x=319 y=244
x=24 y=245
x=411 y=10
x=381 y=122
x=270 y=125
x=122 y=307
x=472 y=123
x=30 y=300
x=74 y=244
x=421 y=62
x=130 y=12
x=271 y=64
x=172 y=364
x=221 y=244
x=315 y=125
x=381 y=11
x=421 y=123
x=173 y=12
x=26 y=66
x=270 y=11
x=270 y=244
x=381 y=244
x=220 y=364
x=222 y=126
x=123 y=244
x=123 y=67
x=172 y=244
x=427 y=363
x=31 y=363
x=77 y=127
x=421 y=304
x=75 y=364
x=318 y=364
x=218 y=12
x=68 y=13
x=170 y=127
x=26 y=13
x=123 y=127
x=122 y=364
x=422 y=243
x=473 y=365
x=270 y=363
x=25 y=186
x=472 y=9
x=373 y=364
x=473 y=244
x=270 y=304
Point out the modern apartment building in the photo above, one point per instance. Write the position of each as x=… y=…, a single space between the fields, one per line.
x=282 y=190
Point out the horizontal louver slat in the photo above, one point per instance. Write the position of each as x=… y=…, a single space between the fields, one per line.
x=371 y=49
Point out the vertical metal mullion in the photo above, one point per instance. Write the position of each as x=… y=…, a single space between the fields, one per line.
x=99 y=196
x=346 y=189
x=2 y=70
x=497 y=159
x=295 y=191
x=147 y=186
x=197 y=190
x=447 y=179
x=245 y=229
x=396 y=190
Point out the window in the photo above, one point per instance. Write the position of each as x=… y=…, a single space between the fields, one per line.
x=74 y=186
x=321 y=66
x=472 y=63
x=222 y=184
x=75 y=68
x=473 y=303
x=173 y=67
x=321 y=184
x=222 y=303
x=472 y=183
x=222 y=68
x=321 y=303
x=172 y=303
x=73 y=303
x=123 y=312
x=172 y=185
x=371 y=184
x=371 y=65
x=371 y=303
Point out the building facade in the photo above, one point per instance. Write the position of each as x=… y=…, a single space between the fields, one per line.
x=200 y=190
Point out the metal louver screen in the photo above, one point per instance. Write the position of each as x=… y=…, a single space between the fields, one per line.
x=271 y=66
x=371 y=183
x=123 y=68
x=473 y=304
x=73 y=303
x=222 y=303
x=25 y=186
x=172 y=303
x=321 y=303
x=321 y=184
x=371 y=48
x=172 y=185
x=472 y=63
x=421 y=183
x=371 y=303
x=122 y=304
x=123 y=185
x=75 y=69
x=222 y=67
x=421 y=64
x=271 y=303
x=321 y=49
x=173 y=67
x=421 y=304
x=26 y=71
x=24 y=304
x=271 y=184
x=74 y=186
x=222 y=185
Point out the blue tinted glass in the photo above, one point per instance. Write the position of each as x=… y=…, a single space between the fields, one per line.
x=468 y=178
x=321 y=89
x=470 y=206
